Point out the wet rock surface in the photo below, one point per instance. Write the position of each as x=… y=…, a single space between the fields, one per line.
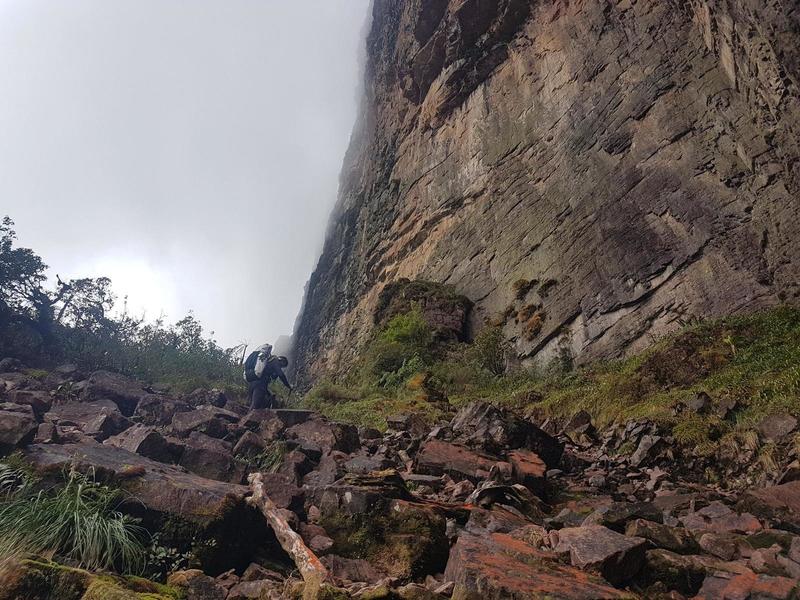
x=467 y=509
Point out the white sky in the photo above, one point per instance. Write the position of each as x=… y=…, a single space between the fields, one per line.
x=187 y=149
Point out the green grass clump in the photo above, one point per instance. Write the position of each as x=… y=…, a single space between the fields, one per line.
x=270 y=459
x=78 y=521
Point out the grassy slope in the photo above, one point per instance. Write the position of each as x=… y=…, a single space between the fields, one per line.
x=753 y=360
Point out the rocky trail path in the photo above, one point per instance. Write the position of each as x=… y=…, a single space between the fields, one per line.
x=488 y=506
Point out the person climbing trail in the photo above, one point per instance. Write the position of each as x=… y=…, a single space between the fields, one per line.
x=260 y=369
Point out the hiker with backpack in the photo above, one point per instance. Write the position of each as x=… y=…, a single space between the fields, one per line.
x=260 y=369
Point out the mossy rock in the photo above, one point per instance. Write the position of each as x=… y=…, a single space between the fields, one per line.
x=40 y=580
x=402 y=539
x=35 y=580
x=103 y=588
x=445 y=309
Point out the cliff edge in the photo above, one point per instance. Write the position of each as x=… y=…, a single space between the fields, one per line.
x=612 y=168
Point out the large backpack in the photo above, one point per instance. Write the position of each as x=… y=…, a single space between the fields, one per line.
x=254 y=365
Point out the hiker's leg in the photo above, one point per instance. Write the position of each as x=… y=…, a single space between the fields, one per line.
x=258 y=396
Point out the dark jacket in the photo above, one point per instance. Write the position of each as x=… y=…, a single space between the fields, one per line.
x=273 y=371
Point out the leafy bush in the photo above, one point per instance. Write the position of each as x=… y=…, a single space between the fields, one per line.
x=401 y=349
x=489 y=350
x=78 y=521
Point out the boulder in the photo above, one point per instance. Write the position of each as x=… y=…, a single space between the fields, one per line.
x=99 y=419
x=373 y=516
x=719 y=518
x=775 y=428
x=249 y=444
x=205 y=420
x=678 y=572
x=616 y=515
x=528 y=469
x=11 y=365
x=327 y=435
x=196 y=585
x=329 y=470
x=495 y=519
x=18 y=381
x=38 y=400
x=122 y=391
x=747 y=585
x=211 y=458
x=594 y=547
x=283 y=491
x=146 y=441
x=436 y=457
x=482 y=425
x=351 y=569
x=201 y=397
x=18 y=426
x=517 y=497
x=498 y=566
x=46 y=434
x=649 y=450
x=216 y=511
x=364 y=464
x=158 y=410
x=675 y=539
x=254 y=590
x=722 y=545
x=780 y=503
x=160 y=487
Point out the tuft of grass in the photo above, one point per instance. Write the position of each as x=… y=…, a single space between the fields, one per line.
x=521 y=287
x=79 y=521
x=270 y=459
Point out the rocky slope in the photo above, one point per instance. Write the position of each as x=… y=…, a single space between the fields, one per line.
x=487 y=505
x=610 y=169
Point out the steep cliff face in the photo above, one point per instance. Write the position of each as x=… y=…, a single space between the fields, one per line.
x=609 y=169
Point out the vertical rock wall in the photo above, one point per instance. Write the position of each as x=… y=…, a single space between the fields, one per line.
x=633 y=164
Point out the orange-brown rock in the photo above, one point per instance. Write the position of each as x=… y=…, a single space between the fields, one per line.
x=780 y=503
x=436 y=457
x=498 y=566
x=528 y=469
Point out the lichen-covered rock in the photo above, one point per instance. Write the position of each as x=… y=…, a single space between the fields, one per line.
x=39 y=580
x=498 y=566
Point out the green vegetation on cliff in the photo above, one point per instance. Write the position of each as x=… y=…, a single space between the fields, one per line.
x=749 y=366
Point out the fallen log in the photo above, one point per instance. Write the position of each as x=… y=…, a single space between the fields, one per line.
x=311 y=568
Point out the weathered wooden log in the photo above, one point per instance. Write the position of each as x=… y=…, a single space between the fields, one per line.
x=311 y=569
